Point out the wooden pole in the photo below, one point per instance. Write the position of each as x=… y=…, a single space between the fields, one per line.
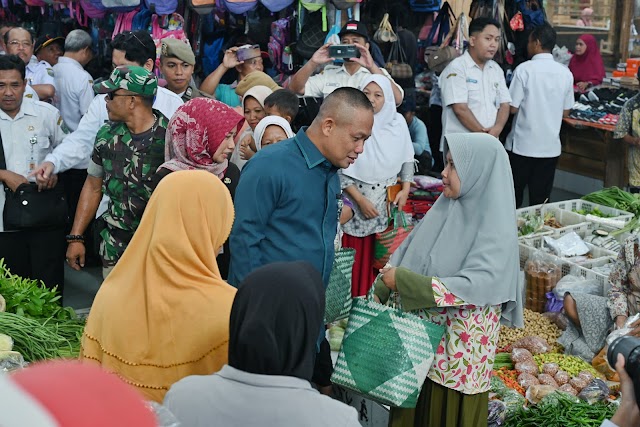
x=624 y=18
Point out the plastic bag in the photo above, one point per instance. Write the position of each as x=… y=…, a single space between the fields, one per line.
x=542 y=273
x=625 y=330
x=561 y=378
x=535 y=345
x=527 y=367
x=578 y=383
x=497 y=413
x=568 y=389
x=562 y=55
x=601 y=365
x=568 y=245
x=577 y=285
x=587 y=376
x=11 y=360
x=521 y=355
x=527 y=380
x=550 y=369
x=546 y=379
x=595 y=391
x=558 y=319
x=553 y=305
x=536 y=393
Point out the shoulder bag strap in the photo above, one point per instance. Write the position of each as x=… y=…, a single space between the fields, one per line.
x=3 y=163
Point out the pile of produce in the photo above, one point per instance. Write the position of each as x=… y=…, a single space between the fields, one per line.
x=571 y=364
x=529 y=223
x=595 y=212
x=535 y=324
x=551 y=221
x=35 y=322
x=619 y=199
x=561 y=410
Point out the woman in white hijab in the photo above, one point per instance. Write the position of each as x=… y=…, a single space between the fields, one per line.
x=460 y=268
x=388 y=153
x=253 y=105
x=270 y=130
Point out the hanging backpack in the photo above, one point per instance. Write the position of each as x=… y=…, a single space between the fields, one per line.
x=174 y=29
x=162 y=7
x=315 y=6
x=424 y=5
x=239 y=7
x=312 y=35
x=278 y=42
x=141 y=20
x=124 y=22
x=93 y=9
x=533 y=13
x=275 y=6
x=212 y=53
x=121 y=6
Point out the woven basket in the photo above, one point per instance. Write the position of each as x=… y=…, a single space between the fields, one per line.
x=338 y=294
x=386 y=353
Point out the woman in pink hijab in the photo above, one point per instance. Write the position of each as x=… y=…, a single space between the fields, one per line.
x=586 y=64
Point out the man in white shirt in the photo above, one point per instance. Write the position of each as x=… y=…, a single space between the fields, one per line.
x=75 y=85
x=19 y=41
x=30 y=130
x=350 y=74
x=474 y=93
x=541 y=95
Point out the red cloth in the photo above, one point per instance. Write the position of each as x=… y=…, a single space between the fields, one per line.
x=195 y=132
x=78 y=395
x=363 y=271
x=588 y=67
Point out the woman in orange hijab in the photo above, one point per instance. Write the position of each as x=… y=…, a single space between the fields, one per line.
x=163 y=312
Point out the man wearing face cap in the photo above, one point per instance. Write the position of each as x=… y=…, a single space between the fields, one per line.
x=350 y=74
x=176 y=64
x=49 y=49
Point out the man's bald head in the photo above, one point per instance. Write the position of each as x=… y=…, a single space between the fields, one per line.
x=342 y=125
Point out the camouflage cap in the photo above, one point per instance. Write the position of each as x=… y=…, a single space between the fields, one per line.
x=129 y=77
x=174 y=48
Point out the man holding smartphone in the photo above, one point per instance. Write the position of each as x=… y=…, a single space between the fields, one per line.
x=349 y=74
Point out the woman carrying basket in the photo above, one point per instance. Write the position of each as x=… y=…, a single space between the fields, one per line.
x=459 y=267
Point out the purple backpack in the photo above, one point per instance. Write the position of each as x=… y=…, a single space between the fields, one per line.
x=162 y=7
x=93 y=9
x=278 y=41
x=276 y=5
x=239 y=7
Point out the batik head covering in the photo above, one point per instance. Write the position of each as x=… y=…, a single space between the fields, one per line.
x=195 y=132
x=163 y=312
x=588 y=67
x=471 y=242
x=274 y=320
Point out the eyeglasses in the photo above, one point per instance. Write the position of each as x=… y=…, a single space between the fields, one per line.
x=129 y=35
x=16 y=43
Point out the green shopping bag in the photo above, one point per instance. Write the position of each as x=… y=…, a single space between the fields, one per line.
x=338 y=294
x=386 y=353
x=390 y=239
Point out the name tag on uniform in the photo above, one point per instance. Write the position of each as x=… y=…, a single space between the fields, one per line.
x=472 y=80
x=331 y=84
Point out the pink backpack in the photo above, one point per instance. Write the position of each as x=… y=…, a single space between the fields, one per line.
x=124 y=22
x=174 y=30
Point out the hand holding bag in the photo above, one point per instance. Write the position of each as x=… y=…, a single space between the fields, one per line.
x=390 y=239
x=28 y=208
x=386 y=353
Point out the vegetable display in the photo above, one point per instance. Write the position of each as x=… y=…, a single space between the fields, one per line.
x=616 y=198
x=534 y=324
x=561 y=410
x=572 y=365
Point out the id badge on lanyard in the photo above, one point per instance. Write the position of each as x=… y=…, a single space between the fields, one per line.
x=497 y=94
x=32 y=158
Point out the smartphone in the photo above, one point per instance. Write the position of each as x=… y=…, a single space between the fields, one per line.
x=249 y=52
x=344 y=51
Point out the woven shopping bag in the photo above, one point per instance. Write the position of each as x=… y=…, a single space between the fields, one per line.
x=390 y=239
x=386 y=353
x=338 y=294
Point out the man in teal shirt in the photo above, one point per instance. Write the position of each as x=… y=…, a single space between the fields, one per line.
x=287 y=198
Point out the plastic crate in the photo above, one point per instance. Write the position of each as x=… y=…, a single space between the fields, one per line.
x=571 y=221
x=579 y=204
x=528 y=246
x=587 y=232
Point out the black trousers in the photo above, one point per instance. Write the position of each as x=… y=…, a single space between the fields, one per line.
x=434 y=130
x=535 y=173
x=36 y=254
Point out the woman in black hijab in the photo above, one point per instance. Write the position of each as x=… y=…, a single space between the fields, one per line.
x=272 y=347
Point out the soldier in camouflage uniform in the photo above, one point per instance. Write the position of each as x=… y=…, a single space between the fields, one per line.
x=176 y=64
x=127 y=152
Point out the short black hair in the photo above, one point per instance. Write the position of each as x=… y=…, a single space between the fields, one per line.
x=12 y=62
x=6 y=35
x=546 y=35
x=147 y=101
x=340 y=101
x=479 y=24
x=138 y=46
x=285 y=100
